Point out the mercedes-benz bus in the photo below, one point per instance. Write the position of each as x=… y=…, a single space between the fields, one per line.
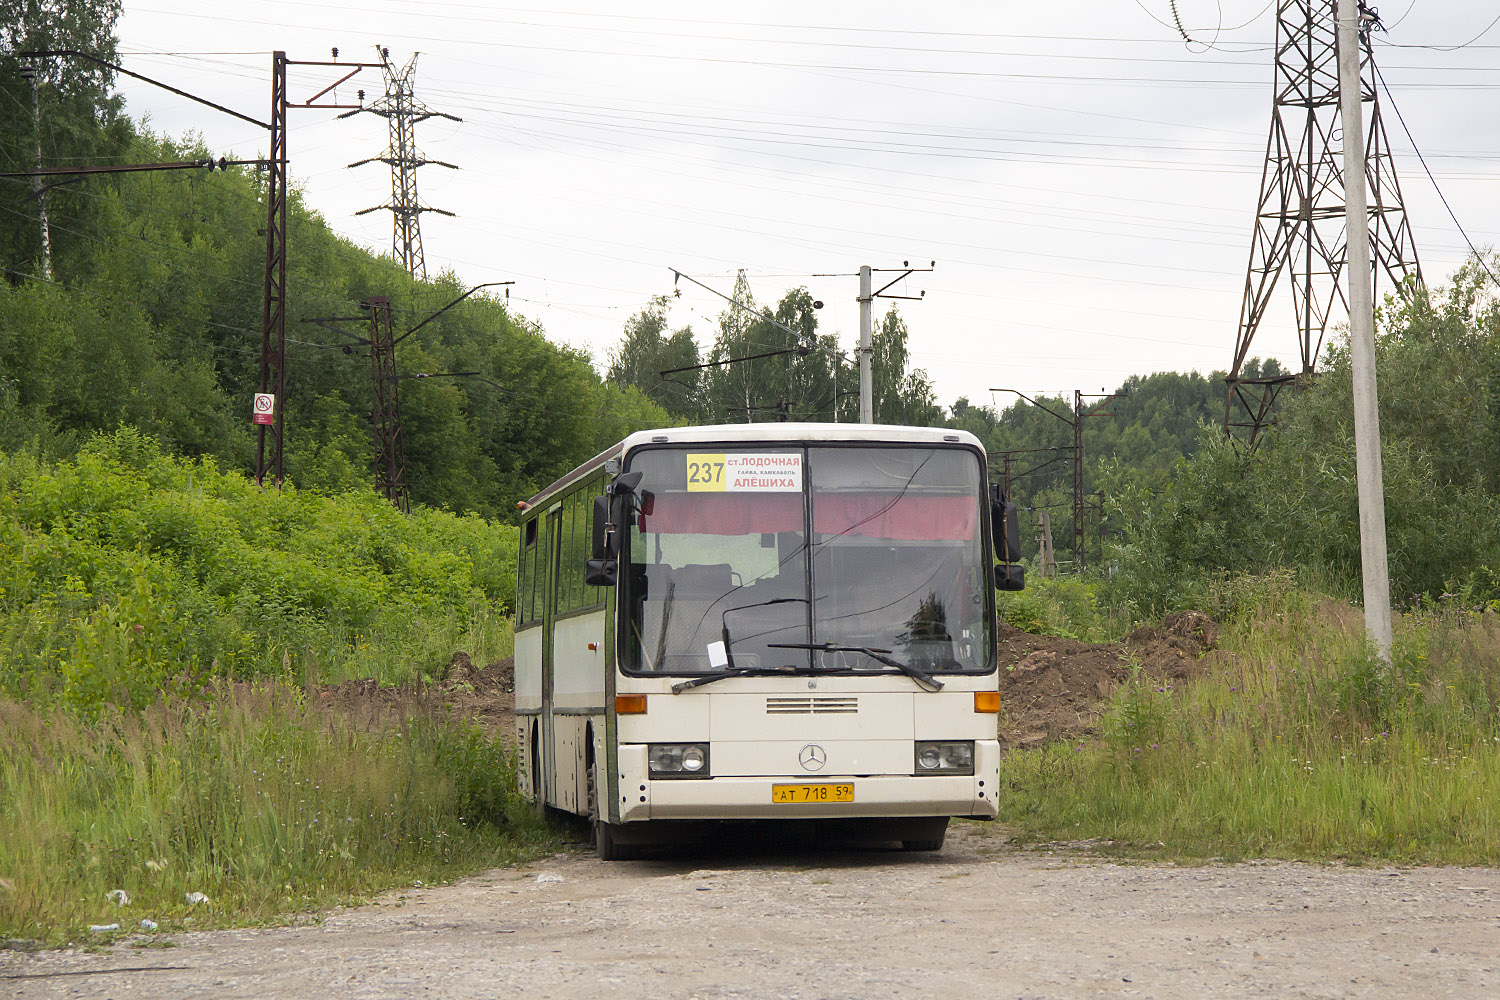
x=778 y=621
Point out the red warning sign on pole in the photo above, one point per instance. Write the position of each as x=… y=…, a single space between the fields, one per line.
x=265 y=408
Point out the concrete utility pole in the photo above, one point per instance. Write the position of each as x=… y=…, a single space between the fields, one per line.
x=866 y=348
x=1372 y=550
x=866 y=339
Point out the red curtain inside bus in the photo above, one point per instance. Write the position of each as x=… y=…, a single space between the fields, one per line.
x=873 y=515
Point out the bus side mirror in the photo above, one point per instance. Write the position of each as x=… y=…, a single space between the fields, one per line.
x=610 y=512
x=602 y=569
x=1005 y=526
x=1010 y=577
x=601 y=572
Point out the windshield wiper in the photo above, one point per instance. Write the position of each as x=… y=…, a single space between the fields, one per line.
x=731 y=670
x=925 y=680
x=682 y=686
x=724 y=622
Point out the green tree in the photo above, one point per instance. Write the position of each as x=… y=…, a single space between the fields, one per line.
x=730 y=388
x=80 y=121
x=648 y=349
x=899 y=395
x=1293 y=502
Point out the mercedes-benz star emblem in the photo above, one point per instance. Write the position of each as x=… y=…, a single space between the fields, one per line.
x=812 y=757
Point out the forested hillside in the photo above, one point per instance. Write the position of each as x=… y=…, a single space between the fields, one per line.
x=1136 y=438
x=149 y=314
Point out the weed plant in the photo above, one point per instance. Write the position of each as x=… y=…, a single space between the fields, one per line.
x=263 y=804
x=1298 y=742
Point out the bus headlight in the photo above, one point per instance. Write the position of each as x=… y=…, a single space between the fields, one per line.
x=945 y=757
x=678 y=760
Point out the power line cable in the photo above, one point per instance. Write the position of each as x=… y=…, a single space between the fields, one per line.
x=1442 y=197
x=1447 y=48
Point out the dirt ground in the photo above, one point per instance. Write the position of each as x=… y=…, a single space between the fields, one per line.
x=752 y=920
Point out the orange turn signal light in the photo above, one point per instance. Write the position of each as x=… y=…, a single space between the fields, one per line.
x=630 y=704
x=987 y=701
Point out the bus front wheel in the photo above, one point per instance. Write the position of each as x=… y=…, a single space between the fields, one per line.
x=930 y=838
x=606 y=845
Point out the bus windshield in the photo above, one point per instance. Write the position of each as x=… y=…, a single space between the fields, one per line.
x=741 y=557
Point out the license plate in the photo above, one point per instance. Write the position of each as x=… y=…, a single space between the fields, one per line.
x=812 y=793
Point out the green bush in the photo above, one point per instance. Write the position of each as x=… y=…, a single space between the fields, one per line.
x=126 y=573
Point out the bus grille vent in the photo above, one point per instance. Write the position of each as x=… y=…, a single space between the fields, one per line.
x=812 y=706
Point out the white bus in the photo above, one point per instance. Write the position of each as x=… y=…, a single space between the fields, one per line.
x=765 y=622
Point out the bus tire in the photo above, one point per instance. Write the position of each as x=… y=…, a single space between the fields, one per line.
x=603 y=834
x=932 y=842
x=607 y=846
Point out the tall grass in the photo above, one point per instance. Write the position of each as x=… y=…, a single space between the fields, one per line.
x=264 y=805
x=1298 y=743
x=160 y=621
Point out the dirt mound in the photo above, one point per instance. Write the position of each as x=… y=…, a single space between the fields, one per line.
x=485 y=695
x=1053 y=687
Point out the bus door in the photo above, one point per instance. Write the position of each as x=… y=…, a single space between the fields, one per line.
x=547 y=550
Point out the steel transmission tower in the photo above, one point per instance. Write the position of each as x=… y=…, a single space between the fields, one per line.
x=1299 y=222
x=385 y=407
x=403 y=111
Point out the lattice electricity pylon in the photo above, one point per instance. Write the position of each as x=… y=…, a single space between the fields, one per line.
x=385 y=407
x=1299 y=223
x=402 y=110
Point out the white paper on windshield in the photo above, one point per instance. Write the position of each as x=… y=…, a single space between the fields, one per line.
x=744 y=472
x=718 y=656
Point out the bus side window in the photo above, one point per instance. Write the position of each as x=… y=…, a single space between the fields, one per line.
x=565 y=566
x=526 y=574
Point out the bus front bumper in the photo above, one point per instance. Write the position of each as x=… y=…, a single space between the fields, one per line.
x=640 y=797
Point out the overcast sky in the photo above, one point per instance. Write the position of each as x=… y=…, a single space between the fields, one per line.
x=1084 y=179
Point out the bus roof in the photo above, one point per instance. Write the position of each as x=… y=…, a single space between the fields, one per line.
x=777 y=432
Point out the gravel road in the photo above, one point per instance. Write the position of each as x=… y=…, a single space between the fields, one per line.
x=977 y=919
